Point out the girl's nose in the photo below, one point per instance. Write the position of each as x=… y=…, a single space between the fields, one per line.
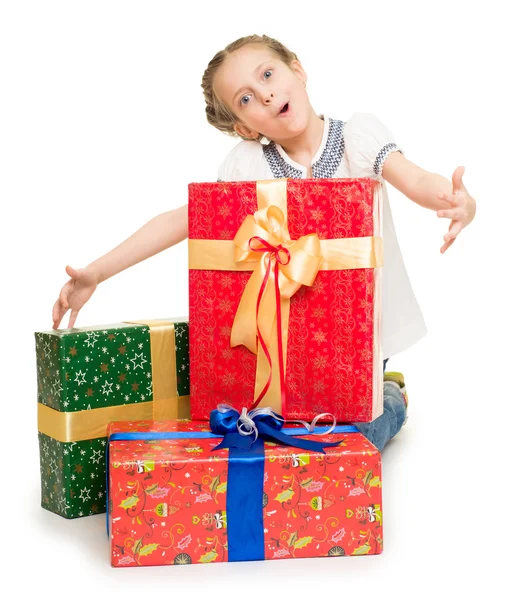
x=269 y=97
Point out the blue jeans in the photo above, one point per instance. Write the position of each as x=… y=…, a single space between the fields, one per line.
x=383 y=429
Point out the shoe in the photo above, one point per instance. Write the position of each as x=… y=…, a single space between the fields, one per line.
x=398 y=378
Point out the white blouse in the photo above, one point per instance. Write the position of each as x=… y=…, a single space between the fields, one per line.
x=356 y=148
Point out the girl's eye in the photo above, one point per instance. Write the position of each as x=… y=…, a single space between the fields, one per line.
x=241 y=101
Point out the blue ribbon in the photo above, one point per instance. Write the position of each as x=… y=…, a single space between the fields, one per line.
x=242 y=430
x=244 y=503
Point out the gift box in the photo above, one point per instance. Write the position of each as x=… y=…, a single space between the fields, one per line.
x=174 y=499
x=285 y=297
x=89 y=376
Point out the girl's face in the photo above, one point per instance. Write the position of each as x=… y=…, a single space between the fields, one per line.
x=256 y=86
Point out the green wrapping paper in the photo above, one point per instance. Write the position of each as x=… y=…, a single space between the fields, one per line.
x=85 y=373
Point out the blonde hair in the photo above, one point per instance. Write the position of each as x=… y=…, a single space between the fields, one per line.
x=217 y=113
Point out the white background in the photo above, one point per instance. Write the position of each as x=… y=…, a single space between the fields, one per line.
x=103 y=127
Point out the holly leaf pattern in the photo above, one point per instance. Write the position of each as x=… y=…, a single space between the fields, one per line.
x=145 y=550
x=137 y=546
x=184 y=542
x=222 y=488
x=362 y=550
x=302 y=542
x=367 y=477
x=129 y=502
x=208 y=557
x=214 y=483
x=285 y=495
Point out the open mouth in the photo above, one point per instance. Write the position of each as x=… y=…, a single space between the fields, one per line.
x=284 y=109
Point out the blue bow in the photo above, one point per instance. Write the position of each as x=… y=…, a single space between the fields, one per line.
x=241 y=430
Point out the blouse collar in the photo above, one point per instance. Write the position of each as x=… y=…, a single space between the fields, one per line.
x=323 y=164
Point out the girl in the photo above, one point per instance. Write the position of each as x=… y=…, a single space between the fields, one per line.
x=255 y=89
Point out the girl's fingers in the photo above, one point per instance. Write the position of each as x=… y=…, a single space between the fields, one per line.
x=56 y=322
x=63 y=300
x=457 y=178
x=449 y=214
x=73 y=317
x=455 y=227
x=453 y=231
x=457 y=215
x=55 y=311
x=58 y=316
x=446 y=197
x=75 y=274
x=71 y=272
x=445 y=247
x=450 y=199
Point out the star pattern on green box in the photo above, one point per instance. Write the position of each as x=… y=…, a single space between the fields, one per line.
x=182 y=358
x=73 y=476
x=82 y=370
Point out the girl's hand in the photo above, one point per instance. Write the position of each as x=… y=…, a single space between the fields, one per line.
x=462 y=211
x=74 y=294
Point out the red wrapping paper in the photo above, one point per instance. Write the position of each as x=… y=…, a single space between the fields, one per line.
x=333 y=361
x=167 y=498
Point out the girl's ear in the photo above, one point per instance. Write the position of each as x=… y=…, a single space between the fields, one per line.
x=245 y=131
x=299 y=71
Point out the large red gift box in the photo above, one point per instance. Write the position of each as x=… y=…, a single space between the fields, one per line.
x=171 y=500
x=328 y=313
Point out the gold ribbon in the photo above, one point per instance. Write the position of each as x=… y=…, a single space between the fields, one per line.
x=166 y=404
x=298 y=262
x=88 y=424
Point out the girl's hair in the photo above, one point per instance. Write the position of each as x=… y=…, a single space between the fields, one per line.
x=217 y=113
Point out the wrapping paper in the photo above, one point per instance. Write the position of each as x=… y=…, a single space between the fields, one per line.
x=169 y=498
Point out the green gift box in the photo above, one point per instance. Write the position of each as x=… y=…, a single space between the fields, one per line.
x=89 y=376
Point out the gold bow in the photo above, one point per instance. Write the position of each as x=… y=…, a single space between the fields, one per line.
x=298 y=262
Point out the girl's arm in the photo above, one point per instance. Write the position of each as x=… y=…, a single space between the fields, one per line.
x=162 y=232
x=430 y=190
x=156 y=235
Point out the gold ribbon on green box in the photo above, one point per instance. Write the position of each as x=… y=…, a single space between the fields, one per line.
x=280 y=266
x=166 y=404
